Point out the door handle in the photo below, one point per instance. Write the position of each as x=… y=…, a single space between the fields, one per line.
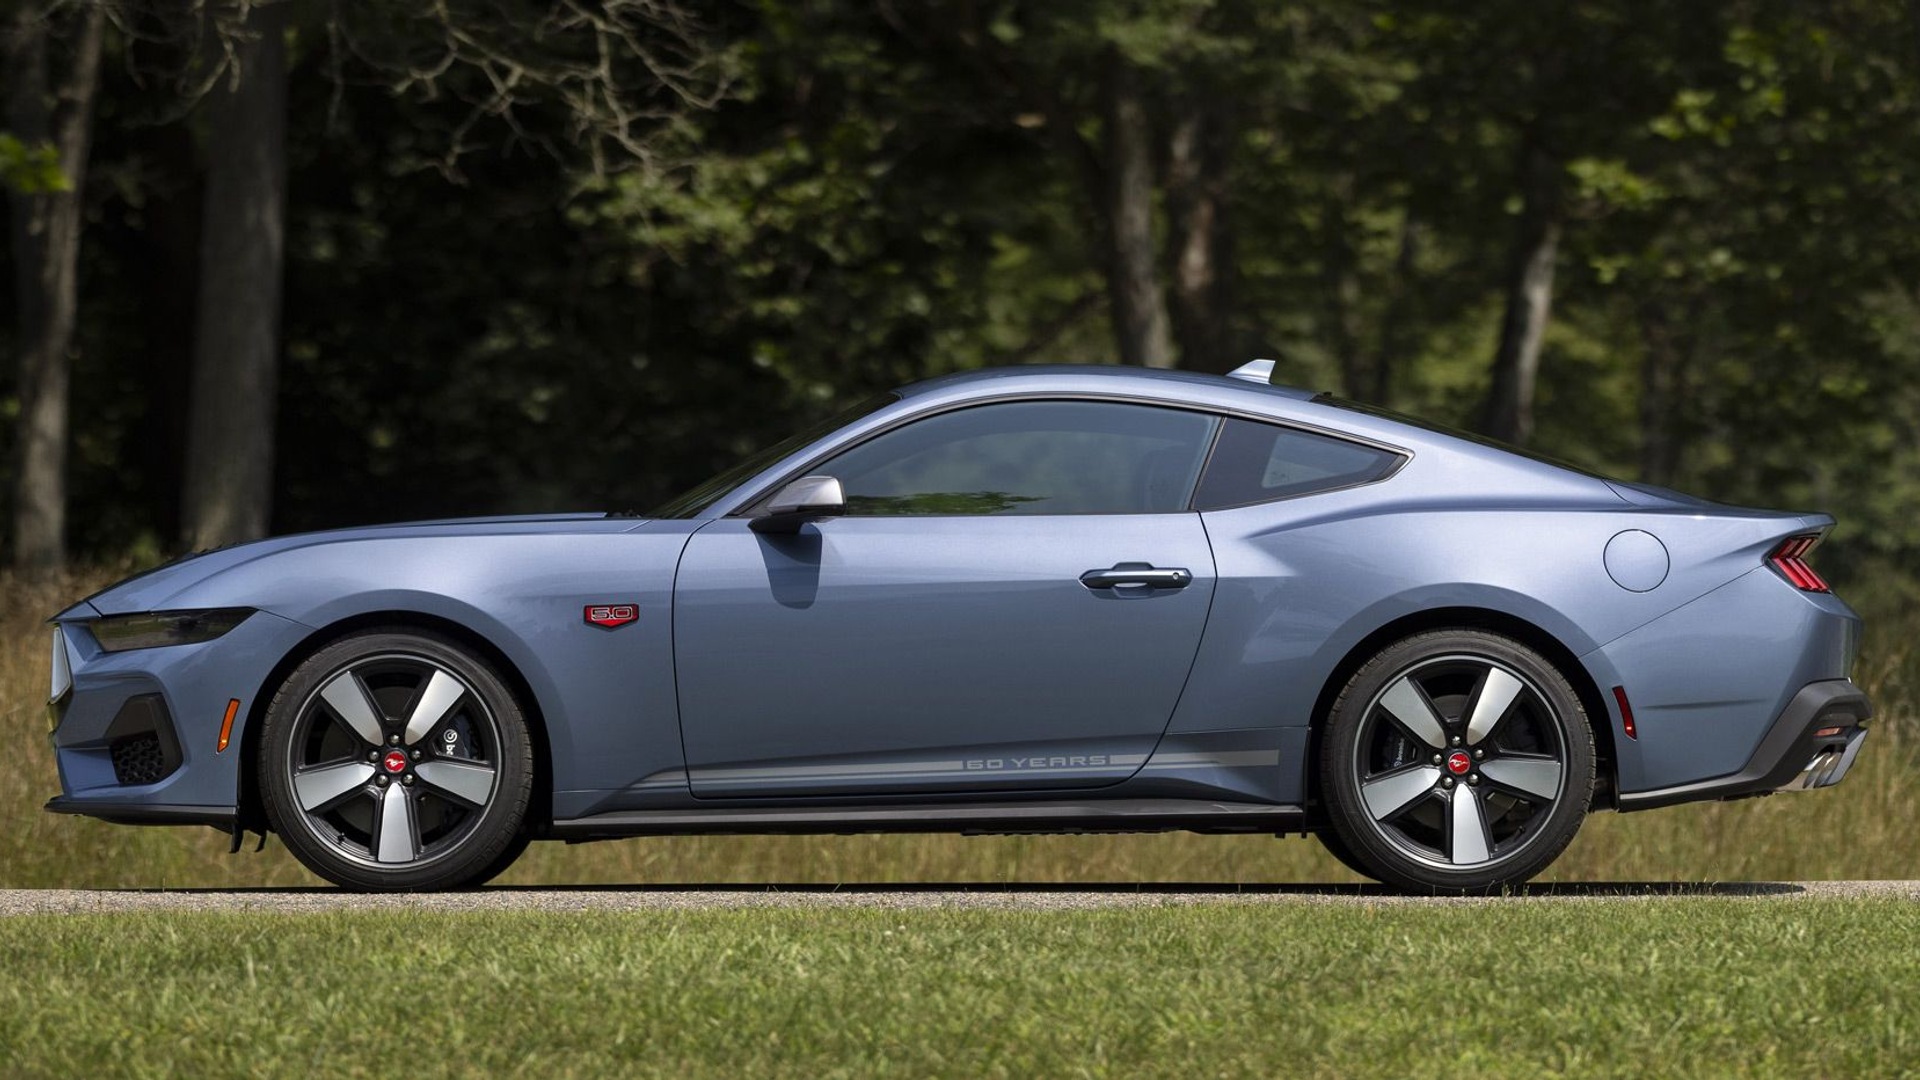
x=1137 y=574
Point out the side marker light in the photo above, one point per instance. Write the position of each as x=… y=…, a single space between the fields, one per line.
x=226 y=725
x=1626 y=712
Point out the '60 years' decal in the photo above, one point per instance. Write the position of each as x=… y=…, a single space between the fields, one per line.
x=612 y=615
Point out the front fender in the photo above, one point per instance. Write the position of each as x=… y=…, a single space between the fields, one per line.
x=606 y=696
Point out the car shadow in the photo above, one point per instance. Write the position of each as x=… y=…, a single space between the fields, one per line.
x=1177 y=888
x=1183 y=888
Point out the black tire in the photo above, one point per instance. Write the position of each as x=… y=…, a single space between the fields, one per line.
x=1336 y=847
x=397 y=760
x=507 y=857
x=1456 y=761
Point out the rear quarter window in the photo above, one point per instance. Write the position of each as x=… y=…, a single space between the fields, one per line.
x=1256 y=463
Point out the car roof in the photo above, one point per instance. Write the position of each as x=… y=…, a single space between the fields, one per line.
x=1246 y=393
x=1139 y=378
x=1242 y=396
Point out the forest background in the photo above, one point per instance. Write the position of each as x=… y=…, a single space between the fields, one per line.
x=287 y=266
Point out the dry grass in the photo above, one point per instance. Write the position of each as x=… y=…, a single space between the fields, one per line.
x=1858 y=830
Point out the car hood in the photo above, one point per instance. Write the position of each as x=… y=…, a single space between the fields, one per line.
x=150 y=590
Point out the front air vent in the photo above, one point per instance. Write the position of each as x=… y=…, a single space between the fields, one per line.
x=138 y=760
x=142 y=742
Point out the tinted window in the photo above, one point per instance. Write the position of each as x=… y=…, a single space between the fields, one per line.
x=1457 y=433
x=1030 y=457
x=1260 y=462
x=689 y=504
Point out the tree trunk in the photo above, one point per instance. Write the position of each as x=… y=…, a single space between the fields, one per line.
x=1397 y=319
x=1663 y=364
x=1341 y=282
x=46 y=257
x=1509 y=410
x=1199 y=153
x=1140 y=323
x=229 y=474
x=169 y=247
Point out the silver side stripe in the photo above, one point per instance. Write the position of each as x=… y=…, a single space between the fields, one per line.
x=1002 y=774
x=893 y=769
x=890 y=768
x=973 y=767
x=1220 y=759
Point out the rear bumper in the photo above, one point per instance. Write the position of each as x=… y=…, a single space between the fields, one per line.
x=1811 y=744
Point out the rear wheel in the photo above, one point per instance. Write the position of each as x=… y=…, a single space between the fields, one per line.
x=1456 y=761
x=397 y=760
x=507 y=857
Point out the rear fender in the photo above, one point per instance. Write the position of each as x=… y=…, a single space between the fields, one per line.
x=1707 y=680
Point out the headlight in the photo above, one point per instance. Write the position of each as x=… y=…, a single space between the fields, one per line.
x=152 y=629
x=62 y=669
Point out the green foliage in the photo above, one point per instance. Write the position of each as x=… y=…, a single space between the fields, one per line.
x=30 y=170
x=892 y=191
x=1755 y=233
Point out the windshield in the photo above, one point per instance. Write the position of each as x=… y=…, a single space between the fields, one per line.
x=690 y=503
x=1441 y=429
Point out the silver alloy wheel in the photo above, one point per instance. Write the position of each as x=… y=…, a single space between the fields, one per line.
x=1458 y=760
x=395 y=760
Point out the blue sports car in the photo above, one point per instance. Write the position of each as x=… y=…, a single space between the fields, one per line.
x=1016 y=601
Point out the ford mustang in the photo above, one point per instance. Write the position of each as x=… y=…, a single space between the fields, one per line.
x=1060 y=600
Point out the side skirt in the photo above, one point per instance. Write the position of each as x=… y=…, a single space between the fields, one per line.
x=1093 y=816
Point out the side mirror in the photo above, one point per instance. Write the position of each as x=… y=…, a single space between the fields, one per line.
x=809 y=498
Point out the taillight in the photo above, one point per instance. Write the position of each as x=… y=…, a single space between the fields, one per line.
x=1789 y=559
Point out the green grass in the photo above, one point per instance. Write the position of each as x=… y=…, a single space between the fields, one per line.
x=1657 y=987
x=1860 y=829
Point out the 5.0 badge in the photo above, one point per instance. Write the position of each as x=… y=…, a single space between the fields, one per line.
x=610 y=616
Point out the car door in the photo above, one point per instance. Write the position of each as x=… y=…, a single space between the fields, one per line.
x=1012 y=601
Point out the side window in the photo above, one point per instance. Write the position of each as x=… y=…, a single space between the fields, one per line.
x=1257 y=463
x=1030 y=457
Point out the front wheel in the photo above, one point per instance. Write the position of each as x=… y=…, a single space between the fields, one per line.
x=397 y=760
x=1457 y=761
x=1336 y=847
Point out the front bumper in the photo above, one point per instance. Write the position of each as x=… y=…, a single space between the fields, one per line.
x=174 y=698
x=1811 y=744
x=134 y=812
